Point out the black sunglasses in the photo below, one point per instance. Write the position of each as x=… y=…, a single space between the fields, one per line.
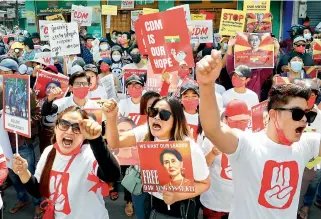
x=299 y=45
x=163 y=114
x=297 y=114
x=64 y=125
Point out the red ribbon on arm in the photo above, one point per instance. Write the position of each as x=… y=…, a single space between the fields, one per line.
x=99 y=184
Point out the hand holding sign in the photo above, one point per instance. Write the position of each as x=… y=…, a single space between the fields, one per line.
x=90 y=129
x=170 y=197
x=54 y=93
x=19 y=165
x=110 y=109
x=209 y=68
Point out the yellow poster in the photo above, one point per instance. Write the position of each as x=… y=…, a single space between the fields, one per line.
x=109 y=10
x=198 y=17
x=256 y=6
x=149 y=11
x=55 y=17
x=232 y=21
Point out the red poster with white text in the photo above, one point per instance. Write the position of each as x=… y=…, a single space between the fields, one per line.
x=167 y=40
x=154 y=81
x=260 y=116
x=167 y=166
x=140 y=39
x=137 y=118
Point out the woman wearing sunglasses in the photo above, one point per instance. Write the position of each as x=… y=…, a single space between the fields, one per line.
x=72 y=173
x=166 y=121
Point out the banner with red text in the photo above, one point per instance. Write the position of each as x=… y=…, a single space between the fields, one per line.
x=232 y=21
x=45 y=56
x=82 y=15
x=260 y=116
x=43 y=29
x=138 y=119
x=202 y=31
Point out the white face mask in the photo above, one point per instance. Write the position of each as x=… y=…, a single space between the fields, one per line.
x=307 y=36
x=224 y=46
x=116 y=58
x=104 y=47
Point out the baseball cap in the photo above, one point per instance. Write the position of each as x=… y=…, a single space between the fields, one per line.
x=9 y=65
x=189 y=86
x=17 y=45
x=51 y=68
x=79 y=61
x=135 y=78
x=243 y=71
x=91 y=67
x=25 y=70
x=237 y=110
x=45 y=47
x=76 y=68
x=299 y=38
x=106 y=60
x=39 y=61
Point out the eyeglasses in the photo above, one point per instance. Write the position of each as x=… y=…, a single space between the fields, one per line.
x=297 y=114
x=163 y=114
x=134 y=86
x=79 y=84
x=300 y=45
x=64 y=125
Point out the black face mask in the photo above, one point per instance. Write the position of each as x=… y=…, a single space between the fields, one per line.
x=136 y=58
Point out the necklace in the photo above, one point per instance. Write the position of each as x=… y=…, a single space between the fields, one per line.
x=170 y=183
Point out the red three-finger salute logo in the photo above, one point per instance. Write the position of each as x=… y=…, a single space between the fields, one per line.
x=279 y=183
x=226 y=171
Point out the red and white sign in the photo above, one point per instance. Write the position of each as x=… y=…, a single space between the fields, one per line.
x=127 y=4
x=82 y=15
x=138 y=119
x=202 y=31
x=154 y=81
x=43 y=28
x=260 y=116
x=45 y=56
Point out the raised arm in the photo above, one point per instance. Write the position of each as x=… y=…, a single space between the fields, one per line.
x=207 y=71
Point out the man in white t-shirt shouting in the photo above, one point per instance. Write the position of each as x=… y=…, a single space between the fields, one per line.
x=268 y=165
x=241 y=76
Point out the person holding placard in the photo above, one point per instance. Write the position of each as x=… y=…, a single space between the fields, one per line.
x=166 y=122
x=79 y=152
x=104 y=69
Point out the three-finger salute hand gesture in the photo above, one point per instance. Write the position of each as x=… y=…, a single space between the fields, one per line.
x=90 y=129
x=19 y=164
x=209 y=68
x=54 y=93
x=110 y=109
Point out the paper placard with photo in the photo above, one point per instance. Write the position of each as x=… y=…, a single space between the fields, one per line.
x=259 y=23
x=260 y=116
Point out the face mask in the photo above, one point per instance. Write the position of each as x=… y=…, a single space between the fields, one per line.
x=242 y=125
x=104 y=68
x=136 y=58
x=183 y=73
x=209 y=45
x=307 y=36
x=224 y=46
x=237 y=82
x=89 y=45
x=116 y=58
x=80 y=92
x=104 y=47
x=135 y=92
x=75 y=151
x=122 y=41
x=283 y=140
x=300 y=49
x=190 y=105
x=114 y=36
x=311 y=101
x=296 y=66
x=307 y=24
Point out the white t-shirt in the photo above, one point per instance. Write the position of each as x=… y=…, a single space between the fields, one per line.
x=192 y=119
x=78 y=196
x=220 y=195
x=134 y=66
x=100 y=92
x=263 y=169
x=2 y=160
x=317 y=122
x=127 y=106
x=249 y=97
x=219 y=100
x=219 y=89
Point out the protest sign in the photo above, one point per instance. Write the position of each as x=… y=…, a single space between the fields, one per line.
x=81 y=15
x=281 y=80
x=186 y=10
x=16 y=104
x=45 y=56
x=317 y=49
x=109 y=10
x=64 y=39
x=109 y=86
x=134 y=17
x=202 y=31
x=256 y=6
x=232 y=21
x=43 y=28
x=259 y=23
x=126 y=156
x=193 y=131
x=5 y=37
x=149 y=11
x=47 y=81
x=138 y=119
x=156 y=171
x=208 y=15
x=260 y=116
x=217 y=39
x=167 y=40
x=154 y=81
x=5 y=144
x=198 y=17
x=127 y=4
x=95 y=114
x=140 y=39
x=311 y=70
x=256 y=50
x=56 y=17
x=129 y=72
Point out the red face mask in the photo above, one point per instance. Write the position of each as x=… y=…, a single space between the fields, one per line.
x=104 y=68
x=80 y=92
x=190 y=104
x=307 y=24
x=238 y=124
x=75 y=151
x=300 y=49
x=89 y=45
x=209 y=45
x=237 y=82
x=182 y=73
x=122 y=41
x=311 y=101
x=135 y=92
x=283 y=140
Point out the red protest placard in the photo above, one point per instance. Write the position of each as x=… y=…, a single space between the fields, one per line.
x=95 y=114
x=167 y=40
x=260 y=116
x=47 y=81
x=311 y=70
x=139 y=36
x=168 y=166
x=281 y=80
x=209 y=15
x=317 y=49
x=129 y=72
x=193 y=130
x=16 y=104
x=126 y=156
x=137 y=118
x=154 y=81
x=259 y=22
x=256 y=50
